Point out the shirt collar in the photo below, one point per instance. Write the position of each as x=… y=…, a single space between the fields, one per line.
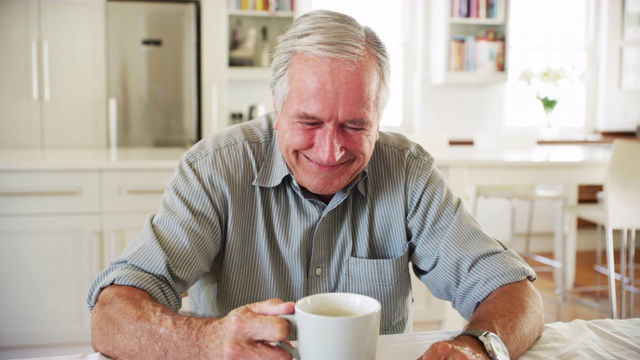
x=274 y=168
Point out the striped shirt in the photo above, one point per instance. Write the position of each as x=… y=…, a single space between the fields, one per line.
x=235 y=228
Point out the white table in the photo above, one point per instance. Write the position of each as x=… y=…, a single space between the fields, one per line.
x=579 y=339
x=566 y=165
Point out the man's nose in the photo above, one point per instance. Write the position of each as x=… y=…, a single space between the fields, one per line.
x=330 y=147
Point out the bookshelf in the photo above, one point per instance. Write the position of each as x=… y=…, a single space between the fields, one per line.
x=468 y=42
x=232 y=87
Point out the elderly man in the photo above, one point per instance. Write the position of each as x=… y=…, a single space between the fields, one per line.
x=312 y=198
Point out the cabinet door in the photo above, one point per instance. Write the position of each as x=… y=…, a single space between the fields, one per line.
x=47 y=264
x=119 y=231
x=73 y=46
x=19 y=63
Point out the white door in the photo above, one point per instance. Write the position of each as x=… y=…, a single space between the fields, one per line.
x=74 y=73
x=47 y=264
x=19 y=69
x=52 y=67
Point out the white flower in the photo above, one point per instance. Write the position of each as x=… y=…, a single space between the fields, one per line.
x=549 y=82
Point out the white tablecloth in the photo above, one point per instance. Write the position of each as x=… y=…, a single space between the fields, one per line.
x=579 y=339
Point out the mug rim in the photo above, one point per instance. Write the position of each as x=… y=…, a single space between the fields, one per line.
x=376 y=306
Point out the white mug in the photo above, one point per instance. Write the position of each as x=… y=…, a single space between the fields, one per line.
x=335 y=326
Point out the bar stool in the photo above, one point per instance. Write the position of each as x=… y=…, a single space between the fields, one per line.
x=517 y=193
x=620 y=210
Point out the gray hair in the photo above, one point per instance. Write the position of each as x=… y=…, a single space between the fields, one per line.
x=332 y=35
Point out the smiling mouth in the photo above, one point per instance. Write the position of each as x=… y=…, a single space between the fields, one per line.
x=334 y=166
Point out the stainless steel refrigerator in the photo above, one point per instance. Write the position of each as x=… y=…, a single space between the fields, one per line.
x=153 y=73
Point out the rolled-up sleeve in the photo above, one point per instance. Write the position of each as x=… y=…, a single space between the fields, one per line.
x=452 y=254
x=174 y=247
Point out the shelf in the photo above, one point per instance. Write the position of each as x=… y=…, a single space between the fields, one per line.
x=262 y=13
x=476 y=21
x=471 y=43
x=471 y=78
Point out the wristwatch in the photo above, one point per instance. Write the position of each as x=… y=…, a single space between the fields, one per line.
x=492 y=343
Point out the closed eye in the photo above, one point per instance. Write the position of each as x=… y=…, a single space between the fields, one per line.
x=357 y=125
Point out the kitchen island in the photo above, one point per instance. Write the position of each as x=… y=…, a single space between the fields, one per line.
x=64 y=215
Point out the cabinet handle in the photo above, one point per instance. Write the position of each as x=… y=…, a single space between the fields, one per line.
x=34 y=71
x=144 y=191
x=69 y=192
x=45 y=67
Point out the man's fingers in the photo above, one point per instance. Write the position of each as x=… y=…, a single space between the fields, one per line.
x=253 y=350
x=269 y=328
x=257 y=322
x=272 y=307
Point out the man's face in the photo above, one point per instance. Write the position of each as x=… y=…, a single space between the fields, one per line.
x=328 y=124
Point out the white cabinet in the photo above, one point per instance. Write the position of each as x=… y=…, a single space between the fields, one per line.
x=50 y=241
x=49 y=192
x=129 y=197
x=232 y=89
x=52 y=67
x=468 y=46
x=58 y=229
x=47 y=264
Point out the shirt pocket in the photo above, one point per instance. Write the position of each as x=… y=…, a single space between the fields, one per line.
x=386 y=280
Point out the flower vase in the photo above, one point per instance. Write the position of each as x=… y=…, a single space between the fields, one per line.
x=548 y=131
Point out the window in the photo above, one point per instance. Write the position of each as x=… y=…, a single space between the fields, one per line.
x=385 y=19
x=549 y=34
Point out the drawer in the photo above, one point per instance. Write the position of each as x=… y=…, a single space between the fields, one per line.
x=133 y=191
x=47 y=192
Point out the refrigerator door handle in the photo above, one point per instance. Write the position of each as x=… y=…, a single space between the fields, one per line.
x=113 y=122
x=45 y=67
x=35 y=85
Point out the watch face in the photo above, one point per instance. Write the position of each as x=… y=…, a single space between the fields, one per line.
x=500 y=351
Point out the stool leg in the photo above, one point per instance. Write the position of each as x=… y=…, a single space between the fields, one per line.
x=623 y=272
x=612 y=273
x=561 y=270
x=632 y=265
x=527 y=239
x=598 y=259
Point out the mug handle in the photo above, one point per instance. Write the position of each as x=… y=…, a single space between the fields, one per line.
x=292 y=350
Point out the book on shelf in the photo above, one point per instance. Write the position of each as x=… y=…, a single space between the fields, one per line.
x=261 y=5
x=478 y=9
x=481 y=54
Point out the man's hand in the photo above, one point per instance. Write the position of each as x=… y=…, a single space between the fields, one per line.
x=514 y=312
x=455 y=350
x=127 y=323
x=244 y=332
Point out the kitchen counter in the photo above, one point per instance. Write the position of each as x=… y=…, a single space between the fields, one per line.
x=90 y=159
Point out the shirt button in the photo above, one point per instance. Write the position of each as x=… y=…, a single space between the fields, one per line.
x=318 y=271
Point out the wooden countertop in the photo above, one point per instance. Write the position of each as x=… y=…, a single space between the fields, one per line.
x=594 y=139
